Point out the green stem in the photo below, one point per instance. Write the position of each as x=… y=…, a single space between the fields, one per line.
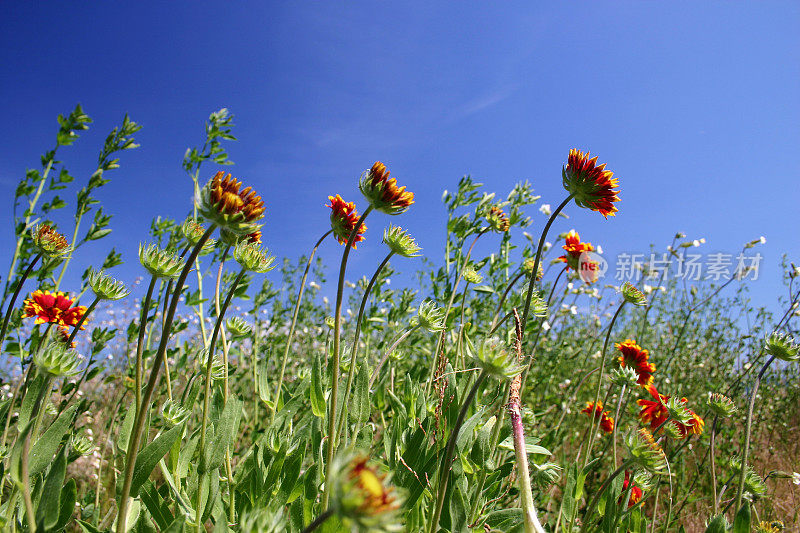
x=26 y=446
x=318 y=521
x=388 y=352
x=7 y=316
x=139 y=419
x=748 y=428
x=336 y=360
x=140 y=339
x=294 y=324
x=440 y=341
x=595 y=423
x=537 y=260
x=82 y=320
x=593 y=504
x=354 y=351
x=444 y=468
x=713 y=466
x=207 y=389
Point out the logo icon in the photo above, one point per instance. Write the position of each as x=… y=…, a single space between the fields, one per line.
x=591 y=266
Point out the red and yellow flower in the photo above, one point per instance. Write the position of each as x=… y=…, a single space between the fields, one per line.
x=637 y=358
x=636 y=492
x=606 y=422
x=590 y=184
x=655 y=413
x=574 y=248
x=344 y=218
x=382 y=192
x=53 y=307
x=225 y=203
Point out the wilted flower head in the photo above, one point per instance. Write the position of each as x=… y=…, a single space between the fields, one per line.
x=497 y=219
x=591 y=184
x=53 y=307
x=159 y=262
x=645 y=451
x=344 y=218
x=222 y=203
x=632 y=355
x=382 y=192
x=57 y=360
x=633 y=295
x=574 y=248
x=470 y=275
x=430 y=316
x=174 y=413
x=192 y=232
x=49 y=242
x=493 y=357
x=362 y=496
x=237 y=327
x=753 y=483
x=400 y=242
x=782 y=347
x=105 y=287
x=596 y=411
x=253 y=258
x=232 y=239
x=721 y=405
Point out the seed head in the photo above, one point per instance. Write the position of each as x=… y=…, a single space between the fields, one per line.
x=238 y=328
x=430 y=316
x=57 y=360
x=782 y=347
x=721 y=405
x=633 y=295
x=49 y=242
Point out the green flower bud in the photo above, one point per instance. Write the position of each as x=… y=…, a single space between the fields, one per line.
x=527 y=267
x=160 y=263
x=237 y=327
x=192 y=232
x=430 y=316
x=644 y=450
x=633 y=295
x=492 y=356
x=678 y=412
x=400 y=242
x=625 y=375
x=782 y=347
x=105 y=287
x=174 y=413
x=82 y=445
x=58 y=361
x=252 y=257
x=471 y=276
x=721 y=405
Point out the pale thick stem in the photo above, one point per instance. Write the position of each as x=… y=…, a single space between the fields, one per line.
x=532 y=523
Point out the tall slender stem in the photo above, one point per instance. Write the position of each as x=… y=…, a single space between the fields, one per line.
x=440 y=342
x=82 y=320
x=140 y=339
x=7 y=316
x=354 y=351
x=207 y=390
x=714 y=465
x=444 y=468
x=388 y=352
x=336 y=360
x=538 y=259
x=294 y=323
x=616 y=423
x=595 y=423
x=138 y=421
x=747 y=430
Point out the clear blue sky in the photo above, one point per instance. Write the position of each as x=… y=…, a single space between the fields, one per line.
x=693 y=105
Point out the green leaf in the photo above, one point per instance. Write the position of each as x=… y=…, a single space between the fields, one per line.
x=150 y=455
x=718 y=525
x=47 y=512
x=28 y=400
x=124 y=435
x=226 y=430
x=45 y=447
x=741 y=524
x=359 y=411
x=318 y=406
x=69 y=495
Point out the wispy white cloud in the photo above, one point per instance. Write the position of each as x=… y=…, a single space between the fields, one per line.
x=485 y=101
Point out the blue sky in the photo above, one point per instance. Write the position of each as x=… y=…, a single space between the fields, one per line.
x=693 y=105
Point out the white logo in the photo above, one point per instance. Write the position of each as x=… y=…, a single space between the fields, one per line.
x=591 y=266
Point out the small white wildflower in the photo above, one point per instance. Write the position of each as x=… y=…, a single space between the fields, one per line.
x=314 y=285
x=573 y=310
x=569 y=286
x=545 y=326
x=763 y=240
x=647 y=289
x=545 y=210
x=796 y=478
x=596 y=355
x=324 y=300
x=547 y=245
